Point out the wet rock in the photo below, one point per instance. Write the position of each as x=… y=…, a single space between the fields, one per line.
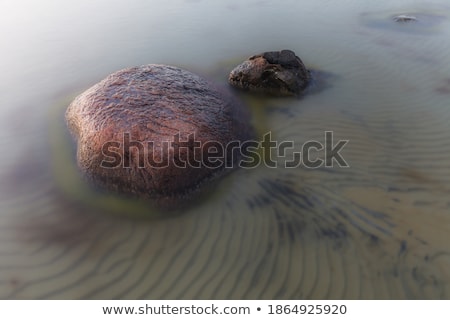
x=405 y=18
x=279 y=73
x=150 y=132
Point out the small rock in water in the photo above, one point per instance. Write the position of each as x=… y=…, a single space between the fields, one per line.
x=156 y=132
x=405 y=18
x=279 y=73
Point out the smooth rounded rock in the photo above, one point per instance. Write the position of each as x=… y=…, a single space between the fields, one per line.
x=279 y=73
x=156 y=132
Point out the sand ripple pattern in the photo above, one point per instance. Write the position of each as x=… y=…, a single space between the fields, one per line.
x=375 y=230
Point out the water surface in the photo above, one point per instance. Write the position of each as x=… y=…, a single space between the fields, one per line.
x=378 y=229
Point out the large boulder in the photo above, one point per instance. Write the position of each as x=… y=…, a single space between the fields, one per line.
x=156 y=132
x=279 y=73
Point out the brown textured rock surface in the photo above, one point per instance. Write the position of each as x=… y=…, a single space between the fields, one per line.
x=152 y=103
x=279 y=73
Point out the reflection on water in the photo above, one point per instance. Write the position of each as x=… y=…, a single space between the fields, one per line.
x=375 y=230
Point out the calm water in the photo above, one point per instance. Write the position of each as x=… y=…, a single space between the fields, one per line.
x=378 y=229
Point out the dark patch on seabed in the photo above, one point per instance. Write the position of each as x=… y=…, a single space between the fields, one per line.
x=444 y=86
x=298 y=214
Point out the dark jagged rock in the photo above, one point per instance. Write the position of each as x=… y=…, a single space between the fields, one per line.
x=114 y=121
x=279 y=73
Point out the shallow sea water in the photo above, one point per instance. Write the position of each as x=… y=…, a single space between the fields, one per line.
x=378 y=229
